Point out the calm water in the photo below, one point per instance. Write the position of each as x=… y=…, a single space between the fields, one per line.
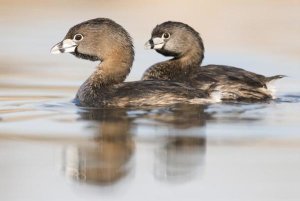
x=53 y=150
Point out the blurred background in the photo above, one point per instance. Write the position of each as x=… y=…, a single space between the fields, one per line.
x=262 y=36
x=53 y=150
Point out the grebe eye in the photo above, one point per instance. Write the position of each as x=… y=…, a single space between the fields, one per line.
x=166 y=35
x=78 y=37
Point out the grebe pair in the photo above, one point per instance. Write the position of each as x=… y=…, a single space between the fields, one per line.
x=179 y=80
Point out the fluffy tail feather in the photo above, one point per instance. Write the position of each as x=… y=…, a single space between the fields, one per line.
x=275 y=77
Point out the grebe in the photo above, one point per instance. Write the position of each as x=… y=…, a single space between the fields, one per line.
x=104 y=40
x=185 y=45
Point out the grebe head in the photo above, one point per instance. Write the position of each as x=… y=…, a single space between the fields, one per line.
x=175 y=39
x=96 y=39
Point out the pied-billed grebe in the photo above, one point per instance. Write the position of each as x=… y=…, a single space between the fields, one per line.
x=185 y=45
x=103 y=39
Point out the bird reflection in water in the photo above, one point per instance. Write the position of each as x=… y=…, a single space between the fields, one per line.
x=180 y=158
x=106 y=159
x=180 y=155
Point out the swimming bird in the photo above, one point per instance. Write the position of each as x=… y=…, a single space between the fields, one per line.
x=104 y=40
x=185 y=45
